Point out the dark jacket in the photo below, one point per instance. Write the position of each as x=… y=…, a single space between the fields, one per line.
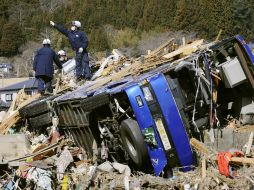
x=76 y=38
x=43 y=62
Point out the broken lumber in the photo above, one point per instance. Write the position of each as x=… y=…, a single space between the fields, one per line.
x=28 y=101
x=243 y=129
x=160 y=48
x=203 y=173
x=118 y=53
x=185 y=50
x=249 y=144
x=9 y=122
x=14 y=117
x=242 y=160
x=218 y=36
x=21 y=95
x=122 y=73
x=57 y=85
x=201 y=148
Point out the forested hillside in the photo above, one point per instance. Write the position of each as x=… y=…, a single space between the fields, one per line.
x=26 y=20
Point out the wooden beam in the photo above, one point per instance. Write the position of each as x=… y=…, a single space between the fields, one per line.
x=244 y=129
x=122 y=73
x=218 y=36
x=244 y=64
x=203 y=168
x=249 y=144
x=58 y=80
x=14 y=117
x=161 y=47
x=185 y=50
x=199 y=146
x=28 y=101
x=9 y=122
x=242 y=160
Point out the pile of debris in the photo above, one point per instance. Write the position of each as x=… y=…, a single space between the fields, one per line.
x=54 y=162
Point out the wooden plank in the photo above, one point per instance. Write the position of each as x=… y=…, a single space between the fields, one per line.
x=18 y=98
x=203 y=172
x=186 y=50
x=161 y=47
x=63 y=88
x=122 y=73
x=244 y=129
x=218 y=36
x=200 y=147
x=249 y=144
x=58 y=80
x=28 y=101
x=242 y=160
x=9 y=122
x=14 y=118
x=244 y=64
x=117 y=52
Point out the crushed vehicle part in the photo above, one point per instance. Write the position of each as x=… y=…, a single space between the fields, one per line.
x=37 y=107
x=41 y=120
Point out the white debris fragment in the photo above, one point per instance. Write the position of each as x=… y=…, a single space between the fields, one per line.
x=92 y=170
x=63 y=162
x=106 y=167
x=42 y=178
x=122 y=169
x=126 y=182
x=39 y=139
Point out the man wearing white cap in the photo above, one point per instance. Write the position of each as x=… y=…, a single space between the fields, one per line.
x=43 y=66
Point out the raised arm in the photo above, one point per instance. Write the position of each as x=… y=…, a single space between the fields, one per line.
x=60 y=28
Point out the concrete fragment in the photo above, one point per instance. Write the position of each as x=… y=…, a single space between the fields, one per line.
x=106 y=167
x=13 y=146
x=122 y=169
x=135 y=184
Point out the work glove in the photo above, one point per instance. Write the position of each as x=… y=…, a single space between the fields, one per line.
x=80 y=50
x=52 y=23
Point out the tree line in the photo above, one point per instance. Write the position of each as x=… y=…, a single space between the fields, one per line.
x=26 y=20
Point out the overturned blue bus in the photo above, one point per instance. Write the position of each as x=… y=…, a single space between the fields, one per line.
x=146 y=120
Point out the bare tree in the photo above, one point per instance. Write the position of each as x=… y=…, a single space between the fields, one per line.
x=23 y=64
x=51 y=5
x=20 y=11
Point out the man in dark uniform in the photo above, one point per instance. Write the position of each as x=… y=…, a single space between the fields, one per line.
x=79 y=43
x=43 y=66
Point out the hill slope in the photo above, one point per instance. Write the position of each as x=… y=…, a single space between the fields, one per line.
x=29 y=19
